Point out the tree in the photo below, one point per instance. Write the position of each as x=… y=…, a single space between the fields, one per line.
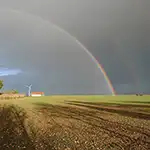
x=1 y=84
x=15 y=91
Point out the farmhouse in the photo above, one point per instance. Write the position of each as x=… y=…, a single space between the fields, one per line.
x=34 y=94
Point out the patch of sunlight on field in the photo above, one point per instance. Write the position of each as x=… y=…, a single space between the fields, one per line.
x=92 y=98
x=61 y=99
x=107 y=99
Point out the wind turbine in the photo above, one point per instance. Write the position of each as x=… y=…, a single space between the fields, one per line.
x=29 y=89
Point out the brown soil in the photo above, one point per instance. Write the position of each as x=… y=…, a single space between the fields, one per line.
x=139 y=111
x=13 y=134
x=70 y=127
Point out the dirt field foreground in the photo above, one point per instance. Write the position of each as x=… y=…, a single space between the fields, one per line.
x=76 y=126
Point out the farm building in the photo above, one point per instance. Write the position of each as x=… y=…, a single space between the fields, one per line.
x=34 y=94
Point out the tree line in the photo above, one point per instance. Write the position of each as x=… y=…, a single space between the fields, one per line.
x=13 y=91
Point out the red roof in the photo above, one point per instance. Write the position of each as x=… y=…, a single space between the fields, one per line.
x=37 y=92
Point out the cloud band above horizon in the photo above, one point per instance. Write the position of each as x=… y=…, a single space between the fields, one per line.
x=9 y=72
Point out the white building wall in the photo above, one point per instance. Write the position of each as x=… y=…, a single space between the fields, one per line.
x=35 y=95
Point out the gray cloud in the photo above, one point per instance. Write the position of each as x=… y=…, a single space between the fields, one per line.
x=55 y=62
x=116 y=32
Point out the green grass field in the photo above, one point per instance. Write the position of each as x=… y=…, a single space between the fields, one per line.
x=59 y=100
x=92 y=98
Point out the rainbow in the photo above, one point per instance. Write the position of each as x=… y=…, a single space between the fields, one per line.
x=110 y=86
x=97 y=63
x=107 y=79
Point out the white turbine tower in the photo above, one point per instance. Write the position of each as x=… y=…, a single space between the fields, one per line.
x=29 y=89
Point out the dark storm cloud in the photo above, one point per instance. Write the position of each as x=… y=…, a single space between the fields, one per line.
x=50 y=60
x=115 y=31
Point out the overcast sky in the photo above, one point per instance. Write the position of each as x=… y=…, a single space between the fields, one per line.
x=116 y=32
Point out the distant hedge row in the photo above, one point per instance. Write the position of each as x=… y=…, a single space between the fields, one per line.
x=12 y=96
x=139 y=94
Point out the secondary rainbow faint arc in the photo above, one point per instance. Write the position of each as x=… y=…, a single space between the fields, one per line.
x=77 y=41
